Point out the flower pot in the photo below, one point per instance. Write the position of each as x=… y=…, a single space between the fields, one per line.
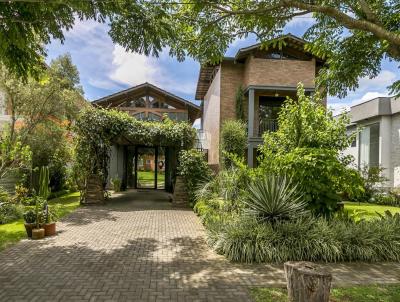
x=37 y=233
x=28 y=228
x=49 y=229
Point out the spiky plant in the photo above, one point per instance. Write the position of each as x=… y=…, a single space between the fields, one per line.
x=274 y=198
x=44 y=181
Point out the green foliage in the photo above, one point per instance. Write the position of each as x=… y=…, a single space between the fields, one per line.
x=233 y=140
x=44 y=182
x=116 y=183
x=320 y=175
x=97 y=129
x=274 y=198
x=194 y=170
x=353 y=39
x=239 y=100
x=309 y=239
x=29 y=216
x=27 y=27
x=9 y=212
x=4 y=196
x=372 y=178
x=307 y=147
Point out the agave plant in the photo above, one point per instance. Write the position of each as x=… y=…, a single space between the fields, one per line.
x=274 y=198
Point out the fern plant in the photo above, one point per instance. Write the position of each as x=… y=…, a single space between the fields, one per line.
x=274 y=198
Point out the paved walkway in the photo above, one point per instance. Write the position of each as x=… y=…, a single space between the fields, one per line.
x=139 y=248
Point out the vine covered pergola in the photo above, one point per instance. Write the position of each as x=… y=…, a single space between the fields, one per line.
x=97 y=129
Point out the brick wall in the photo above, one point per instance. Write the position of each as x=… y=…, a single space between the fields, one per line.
x=279 y=72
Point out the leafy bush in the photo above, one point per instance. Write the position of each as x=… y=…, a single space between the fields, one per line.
x=9 y=212
x=194 y=170
x=372 y=177
x=274 y=198
x=29 y=216
x=307 y=146
x=320 y=175
x=233 y=140
x=4 y=196
x=309 y=239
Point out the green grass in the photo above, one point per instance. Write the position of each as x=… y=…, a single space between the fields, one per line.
x=146 y=178
x=368 y=210
x=372 y=293
x=11 y=233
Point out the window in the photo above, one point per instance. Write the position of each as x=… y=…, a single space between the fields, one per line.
x=154 y=117
x=140 y=116
x=135 y=103
x=369 y=146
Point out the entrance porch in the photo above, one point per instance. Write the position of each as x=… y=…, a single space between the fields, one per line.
x=143 y=167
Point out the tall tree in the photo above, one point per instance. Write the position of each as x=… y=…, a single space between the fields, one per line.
x=354 y=35
x=37 y=106
x=27 y=26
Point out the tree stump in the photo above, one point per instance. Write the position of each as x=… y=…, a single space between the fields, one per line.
x=94 y=190
x=307 y=282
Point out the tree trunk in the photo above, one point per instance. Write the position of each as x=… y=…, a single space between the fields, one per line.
x=307 y=282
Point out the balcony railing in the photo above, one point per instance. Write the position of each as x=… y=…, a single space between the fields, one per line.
x=267 y=125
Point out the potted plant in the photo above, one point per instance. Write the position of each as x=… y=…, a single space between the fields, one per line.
x=30 y=222
x=38 y=231
x=50 y=218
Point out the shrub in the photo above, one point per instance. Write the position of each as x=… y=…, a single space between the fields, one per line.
x=9 y=212
x=194 y=170
x=320 y=174
x=274 y=198
x=30 y=216
x=309 y=239
x=372 y=177
x=233 y=140
x=116 y=183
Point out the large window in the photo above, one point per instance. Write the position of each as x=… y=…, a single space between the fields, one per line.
x=269 y=108
x=369 y=146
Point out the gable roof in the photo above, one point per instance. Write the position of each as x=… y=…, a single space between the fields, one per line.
x=113 y=100
x=207 y=71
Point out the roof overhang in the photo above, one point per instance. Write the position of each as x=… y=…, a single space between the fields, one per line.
x=113 y=100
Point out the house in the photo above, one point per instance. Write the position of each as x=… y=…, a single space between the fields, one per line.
x=267 y=77
x=378 y=140
x=150 y=167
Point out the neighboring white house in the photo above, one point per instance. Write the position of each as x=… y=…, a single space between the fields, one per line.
x=4 y=117
x=378 y=142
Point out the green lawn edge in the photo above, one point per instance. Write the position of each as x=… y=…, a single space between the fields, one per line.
x=368 y=293
x=11 y=233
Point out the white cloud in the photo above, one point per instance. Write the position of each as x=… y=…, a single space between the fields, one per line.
x=338 y=108
x=384 y=79
x=134 y=69
x=301 y=21
x=368 y=96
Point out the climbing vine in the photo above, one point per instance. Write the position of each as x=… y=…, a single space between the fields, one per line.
x=98 y=129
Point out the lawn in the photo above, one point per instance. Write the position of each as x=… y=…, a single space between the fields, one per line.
x=372 y=293
x=368 y=210
x=146 y=178
x=13 y=232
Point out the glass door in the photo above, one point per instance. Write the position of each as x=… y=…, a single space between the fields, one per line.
x=161 y=168
x=146 y=168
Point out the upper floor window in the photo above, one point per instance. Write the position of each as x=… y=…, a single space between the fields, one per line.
x=280 y=55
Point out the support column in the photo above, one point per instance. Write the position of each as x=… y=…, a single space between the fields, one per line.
x=250 y=128
x=385 y=146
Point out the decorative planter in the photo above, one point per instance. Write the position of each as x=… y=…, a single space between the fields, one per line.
x=28 y=228
x=37 y=234
x=49 y=229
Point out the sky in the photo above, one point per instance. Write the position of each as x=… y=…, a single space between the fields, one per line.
x=107 y=68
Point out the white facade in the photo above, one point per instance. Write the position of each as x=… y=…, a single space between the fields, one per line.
x=378 y=140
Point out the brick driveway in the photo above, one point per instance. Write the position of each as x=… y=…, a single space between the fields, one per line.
x=139 y=248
